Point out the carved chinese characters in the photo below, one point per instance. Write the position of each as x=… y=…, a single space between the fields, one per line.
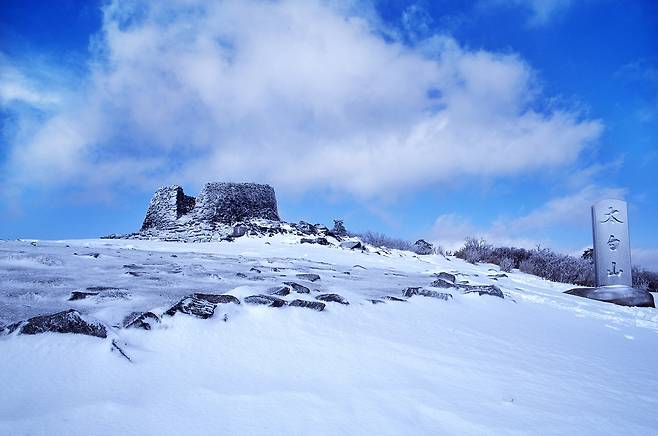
x=612 y=254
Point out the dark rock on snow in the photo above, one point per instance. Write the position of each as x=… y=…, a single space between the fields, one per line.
x=315 y=305
x=81 y=295
x=339 y=229
x=266 y=300
x=320 y=241
x=144 y=321
x=447 y=277
x=68 y=321
x=309 y=276
x=484 y=290
x=423 y=247
x=300 y=289
x=352 y=245
x=392 y=298
x=280 y=290
x=201 y=305
x=334 y=298
x=441 y=283
x=410 y=292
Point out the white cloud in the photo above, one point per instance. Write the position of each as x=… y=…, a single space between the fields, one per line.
x=301 y=94
x=557 y=214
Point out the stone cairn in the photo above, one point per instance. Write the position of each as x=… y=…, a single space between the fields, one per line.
x=221 y=211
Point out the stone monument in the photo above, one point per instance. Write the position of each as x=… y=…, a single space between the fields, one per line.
x=612 y=258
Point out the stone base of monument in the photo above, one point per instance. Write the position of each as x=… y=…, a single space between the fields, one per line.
x=617 y=294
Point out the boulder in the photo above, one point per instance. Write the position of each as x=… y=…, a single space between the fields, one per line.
x=319 y=241
x=334 y=298
x=201 y=305
x=423 y=247
x=68 y=321
x=144 y=321
x=483 y=290
x=392 y=298
x=280 y=290
x=167 y=205
x=339 y=229
x=229 y=203
x=315 y=305
x=81 y=295
x=309 y=276
x=266 y=300
x=447 y=277
x=352 y=245
x=441 y=283
x=300 y=289
x=410 y=292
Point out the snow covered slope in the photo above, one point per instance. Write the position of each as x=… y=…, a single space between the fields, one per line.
x=536 y=362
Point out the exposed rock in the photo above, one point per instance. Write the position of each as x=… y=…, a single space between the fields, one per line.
x=339 y=229
x=423 y=247
x=319 y=241
x=410 y=292
x=81 y=295
x=315 y=305
x=352 y=245
x=376 y=301
x=392 y=298
x=447 y=277
x=300 y=289
x=167 y=205
x=441 y=283
x=306 y=228
x=483 y=290
x=68 y=321
x=201 y=305
x=144 y=321
x=239 y=231
x=309 y=276
x=334 y=298
x=281 y=290
x=267 y=300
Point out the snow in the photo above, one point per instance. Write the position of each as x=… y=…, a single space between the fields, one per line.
x=537 y=362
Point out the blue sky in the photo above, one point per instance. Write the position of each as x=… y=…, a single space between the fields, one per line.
x=437 y=119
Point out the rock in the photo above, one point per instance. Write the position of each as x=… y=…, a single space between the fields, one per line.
x=81 y=295
x=447 y=277
x=339 y=229
x=201 y=305
x=620 y=295
x=334 y=298
x=300 y=289
x=267 y=300
x=144 y=321
x=352 y=245
x=256 y=270
x=309 y=276
x=239 y=231
x=229 y=203
x=498 y=276
x=440 y=283
x=68 y=321
x=359 y=266
x=410 y=292
x=376 y=301
x=241 y=275
x=320 y=241
x=306 y=228
x=167 y=205
x=423 y=247
x=281 y=290
x=315 y=305
x=392 y=298
x=484 y=290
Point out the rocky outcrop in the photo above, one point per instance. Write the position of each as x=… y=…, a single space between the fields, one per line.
x=334 y=298
x=423 y=247
x=314 y=305
x=265 y=300
x=68 y=321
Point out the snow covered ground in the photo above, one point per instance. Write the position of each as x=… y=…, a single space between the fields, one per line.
x=537 y=362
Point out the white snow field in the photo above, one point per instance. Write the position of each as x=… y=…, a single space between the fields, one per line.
x=538 y=362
